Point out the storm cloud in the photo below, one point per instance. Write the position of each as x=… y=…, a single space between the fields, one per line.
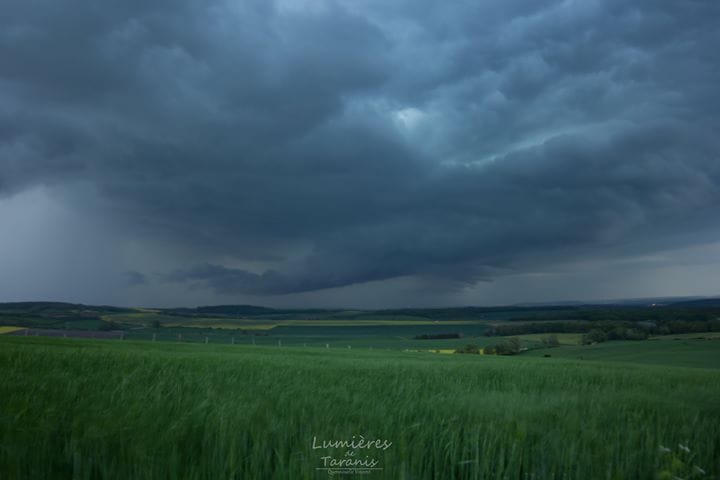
x=272 y=148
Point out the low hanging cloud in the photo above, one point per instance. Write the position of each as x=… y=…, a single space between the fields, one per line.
x=288 y=147
x=134 y=278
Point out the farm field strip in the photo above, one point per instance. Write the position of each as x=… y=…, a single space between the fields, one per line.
x=9 y=329
x=259 y=324
x=563 y=338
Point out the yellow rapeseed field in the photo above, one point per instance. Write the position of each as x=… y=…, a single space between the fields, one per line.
x=10 y=329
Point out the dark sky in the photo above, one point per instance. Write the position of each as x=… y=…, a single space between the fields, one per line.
x=362 y=153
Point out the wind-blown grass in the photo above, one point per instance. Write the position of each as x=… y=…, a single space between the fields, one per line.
x=121 y=410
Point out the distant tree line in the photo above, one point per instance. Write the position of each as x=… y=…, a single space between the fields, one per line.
x=625 y=314
x=612 y=330
x=437 y=336
x=511 y=346
x=597 y=335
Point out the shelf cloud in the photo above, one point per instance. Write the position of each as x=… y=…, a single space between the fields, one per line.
x=302 y=151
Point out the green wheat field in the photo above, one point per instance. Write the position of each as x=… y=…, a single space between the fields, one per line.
x=85 y=409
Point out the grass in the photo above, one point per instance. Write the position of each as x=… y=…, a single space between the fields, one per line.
x=123 y=410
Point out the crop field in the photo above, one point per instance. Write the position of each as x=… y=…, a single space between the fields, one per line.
x=563 y=338
x=375 y=335
x=686 y=352
x=80 y=409
x=9 y=329
x=270 y=324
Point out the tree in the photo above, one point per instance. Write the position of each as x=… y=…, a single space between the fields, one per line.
x=511 y=346
x=468 y=349
x=594 y=336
